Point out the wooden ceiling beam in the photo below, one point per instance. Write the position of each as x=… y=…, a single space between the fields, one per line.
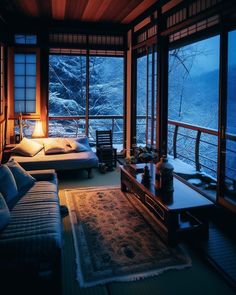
x=58 y=9
x=91 y=9
x=30 y=8
x=75 y=9
x=102 y=9
x=144 y=5
x=132 y=4
x=113 y=10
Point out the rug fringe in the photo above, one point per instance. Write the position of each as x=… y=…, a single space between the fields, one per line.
x=129 y=278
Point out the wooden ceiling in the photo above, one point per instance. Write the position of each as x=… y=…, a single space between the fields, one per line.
x=112 y=11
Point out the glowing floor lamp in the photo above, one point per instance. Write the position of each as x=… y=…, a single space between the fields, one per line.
x=38 y=130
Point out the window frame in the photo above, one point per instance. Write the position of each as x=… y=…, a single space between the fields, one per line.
x=88 y=54
x=29 y=115
x=151 y=54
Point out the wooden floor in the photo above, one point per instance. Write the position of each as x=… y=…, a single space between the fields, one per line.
x=201 y=278
x=220 y=251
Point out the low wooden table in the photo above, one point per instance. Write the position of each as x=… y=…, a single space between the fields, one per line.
x=181 y=213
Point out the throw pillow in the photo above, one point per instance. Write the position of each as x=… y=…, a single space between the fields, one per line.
x=55 y=146
x=27 y=147
x=4 y=213
x=80 y=144
x=8 y=187
x=23 y=179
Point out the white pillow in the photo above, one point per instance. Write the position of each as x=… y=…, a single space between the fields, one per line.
x=27 y=147
x=56 y=146
x=79 y=144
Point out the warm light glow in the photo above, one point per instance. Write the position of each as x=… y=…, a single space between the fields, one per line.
x=38 y=129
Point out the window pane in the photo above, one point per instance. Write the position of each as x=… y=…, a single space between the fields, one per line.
x=30 y=69
x=30 y=107
x=20 y=39
x=67 y=85
x=30 y=94
x=31 y=81
x=30 y=58
x=31 y=39
x=19 y=58
x=19 y=81
x=141 y=100
x=193 y=99
x=68 y=128
x=19 y=93
x=230 y=165
x=106 y=97
x=19 y=106
x=25 y=39
x=67 y=94
x=25 y=81
x=19 y=69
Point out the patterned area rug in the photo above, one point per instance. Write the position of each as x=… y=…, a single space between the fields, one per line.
x=115 y=238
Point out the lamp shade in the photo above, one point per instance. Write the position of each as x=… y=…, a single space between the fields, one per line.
x=38 y=129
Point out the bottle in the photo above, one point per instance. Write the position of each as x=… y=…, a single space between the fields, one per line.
x=164 y=174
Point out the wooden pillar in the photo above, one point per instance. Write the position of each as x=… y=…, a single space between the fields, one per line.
x=130 y=98
x=222 y=113
x=44 y=79
x=162 y=95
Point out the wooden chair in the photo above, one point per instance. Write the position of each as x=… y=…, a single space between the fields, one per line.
x=106 y=153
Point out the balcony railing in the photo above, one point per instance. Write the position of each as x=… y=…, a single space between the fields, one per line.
x=73 y=126
x=199 y=146
x=193 y=144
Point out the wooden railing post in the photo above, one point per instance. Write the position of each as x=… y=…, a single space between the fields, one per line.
x=112 y=122
x=197 y=144
x=175 y=141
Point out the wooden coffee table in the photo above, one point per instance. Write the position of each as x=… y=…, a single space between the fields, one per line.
x=182 y=213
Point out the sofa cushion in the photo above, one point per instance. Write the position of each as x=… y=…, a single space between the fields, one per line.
x=8 y=187
x=33 y=237
x=27 y=147
x=4 y=213
x=56 y=146
x=23 y=179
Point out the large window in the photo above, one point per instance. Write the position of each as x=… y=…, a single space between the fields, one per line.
x=230 y=165
x=24 y=91
x=141 y=100
x=146 y=98
x=24 y=69
x=106 y=96
x=25 y=83
x=67 y=94
x=193 y=111
x=89 y=92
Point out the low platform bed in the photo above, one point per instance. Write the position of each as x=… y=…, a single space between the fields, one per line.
x=56 y=153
